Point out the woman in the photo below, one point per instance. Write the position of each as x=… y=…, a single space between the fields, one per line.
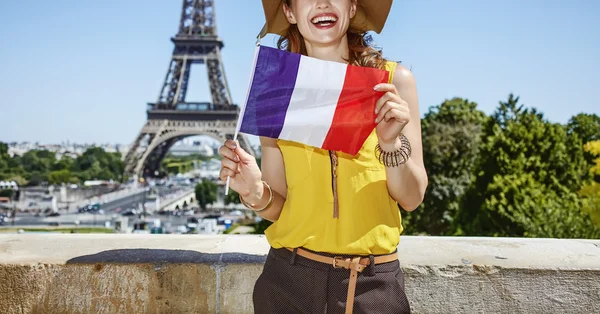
x=336 y=218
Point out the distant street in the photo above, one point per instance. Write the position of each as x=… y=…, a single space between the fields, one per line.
x=128 y=203
x=109 y=210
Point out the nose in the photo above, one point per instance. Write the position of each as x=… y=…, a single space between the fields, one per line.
x=323 y=4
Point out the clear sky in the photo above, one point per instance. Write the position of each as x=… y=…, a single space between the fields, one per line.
x=84 y=70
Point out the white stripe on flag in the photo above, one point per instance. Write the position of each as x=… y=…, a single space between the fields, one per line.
x=314 y=99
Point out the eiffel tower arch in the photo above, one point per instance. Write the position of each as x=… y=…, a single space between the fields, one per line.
x=171 y=118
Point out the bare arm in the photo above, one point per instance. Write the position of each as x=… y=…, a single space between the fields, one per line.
x=407 y=183
x=273 y=172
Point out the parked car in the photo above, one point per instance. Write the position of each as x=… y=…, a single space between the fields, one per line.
x=90 y=208
x=130 y=212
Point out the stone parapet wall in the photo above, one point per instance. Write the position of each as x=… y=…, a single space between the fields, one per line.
x=48 y=273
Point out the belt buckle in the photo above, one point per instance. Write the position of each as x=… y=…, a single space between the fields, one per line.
x=339 y=258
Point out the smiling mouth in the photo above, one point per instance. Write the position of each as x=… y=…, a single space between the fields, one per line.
x=324 y=20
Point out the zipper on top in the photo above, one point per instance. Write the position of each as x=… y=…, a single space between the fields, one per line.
x=334 y=163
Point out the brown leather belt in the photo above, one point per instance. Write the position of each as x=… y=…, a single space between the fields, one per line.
x=355 y=265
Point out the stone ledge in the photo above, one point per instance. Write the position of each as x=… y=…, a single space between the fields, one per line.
x=50 y=273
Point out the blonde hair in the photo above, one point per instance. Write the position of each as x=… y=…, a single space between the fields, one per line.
x=359 y=44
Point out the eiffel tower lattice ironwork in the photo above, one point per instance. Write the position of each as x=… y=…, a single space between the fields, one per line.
x=171 y=118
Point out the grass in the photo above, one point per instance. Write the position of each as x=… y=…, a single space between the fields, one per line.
x=231 y=229
x=58 y=230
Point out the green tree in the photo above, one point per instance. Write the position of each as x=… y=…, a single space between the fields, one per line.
x=38 y=160
x=593 y=148
x=206 y=193
x=82 y=176
x=36 y=178
x=535 y=210
x=4 y=150
x=15 y=168
x=590 y=192
x=179 y=164
x=451 y=135
x=37 y=166
x=19 y=180
x=6 y=193
x=106 y=174
x=59 y=176
x=261 y=226
x=95 y=163
x=586 y=126
x=590 y=195
x=259 y=162
x=4 y=158
x=527 y=176
x=232 y=197
x=65 y=163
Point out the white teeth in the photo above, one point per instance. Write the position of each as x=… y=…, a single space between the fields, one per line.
x=324 y=19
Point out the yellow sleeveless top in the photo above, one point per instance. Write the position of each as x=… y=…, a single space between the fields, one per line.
x=369 y=219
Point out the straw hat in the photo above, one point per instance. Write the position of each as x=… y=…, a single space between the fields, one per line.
x=370 y=16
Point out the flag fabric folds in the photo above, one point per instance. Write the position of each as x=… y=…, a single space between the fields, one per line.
x=319 y=103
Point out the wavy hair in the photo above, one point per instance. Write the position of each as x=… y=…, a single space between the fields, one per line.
x=359 y=44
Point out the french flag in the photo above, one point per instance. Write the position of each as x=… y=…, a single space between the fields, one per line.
x=319 y=103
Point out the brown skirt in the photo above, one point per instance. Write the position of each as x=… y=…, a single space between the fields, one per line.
x=291 y=283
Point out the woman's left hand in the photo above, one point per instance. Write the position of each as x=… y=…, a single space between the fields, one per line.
x=392 y=113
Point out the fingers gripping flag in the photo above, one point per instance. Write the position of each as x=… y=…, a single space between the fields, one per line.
x=319 y=103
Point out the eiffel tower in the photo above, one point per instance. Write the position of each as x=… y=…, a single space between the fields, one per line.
x=171 y=118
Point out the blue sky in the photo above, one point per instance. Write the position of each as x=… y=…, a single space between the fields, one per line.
x=84 y=70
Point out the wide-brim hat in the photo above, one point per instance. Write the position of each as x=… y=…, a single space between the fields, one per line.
x=370 y=16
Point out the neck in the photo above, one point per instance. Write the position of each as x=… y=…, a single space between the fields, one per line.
x=337 y=52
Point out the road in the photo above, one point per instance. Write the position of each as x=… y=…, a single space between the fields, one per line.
x=108 y=208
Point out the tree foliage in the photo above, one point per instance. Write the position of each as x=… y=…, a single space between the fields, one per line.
x=38 y=166
x=7 y=193
x=206 y=193
x=451 y=141
x=586 y=126
x=173 y=164
x=510 y=174
x=261 y=226
x=232 y=197
x=59 y=176
x=528 y=173
x=590 y=192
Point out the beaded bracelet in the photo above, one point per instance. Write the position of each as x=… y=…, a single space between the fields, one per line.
x=266 y=206
x=395 y=158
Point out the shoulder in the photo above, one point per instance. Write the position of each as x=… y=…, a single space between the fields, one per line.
x=403 y=77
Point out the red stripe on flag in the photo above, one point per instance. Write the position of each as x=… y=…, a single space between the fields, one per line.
x=354 y=117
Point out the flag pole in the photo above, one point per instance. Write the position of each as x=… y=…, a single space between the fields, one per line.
x=262 y=33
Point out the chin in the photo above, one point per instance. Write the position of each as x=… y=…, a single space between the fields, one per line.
x=321 y=37
x=325 y=39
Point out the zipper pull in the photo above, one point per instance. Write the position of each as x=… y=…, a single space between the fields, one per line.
x=334 y=164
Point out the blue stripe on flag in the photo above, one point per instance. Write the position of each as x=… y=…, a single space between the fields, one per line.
x=270 y=92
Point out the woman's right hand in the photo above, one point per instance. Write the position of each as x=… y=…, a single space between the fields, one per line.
x=243 y=170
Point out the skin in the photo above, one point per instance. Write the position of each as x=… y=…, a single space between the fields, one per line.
x=397 y=111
